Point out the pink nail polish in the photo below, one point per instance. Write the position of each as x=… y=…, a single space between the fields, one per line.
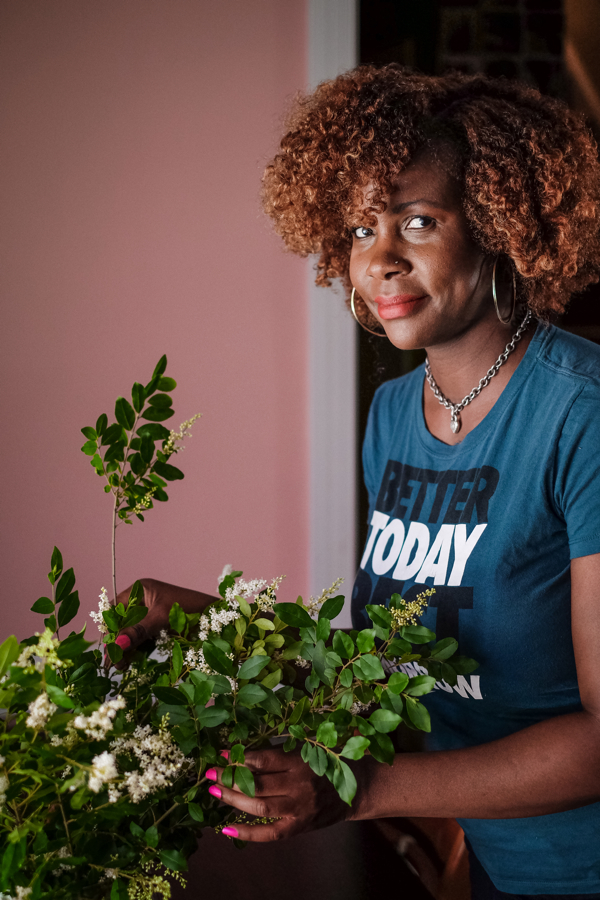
x=215 y=791
x=231 y=832
x=225 y=754
x=123 y=641
x=211 y=774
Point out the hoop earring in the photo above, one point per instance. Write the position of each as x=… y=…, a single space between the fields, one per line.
x=514 y=300
x=376 y=333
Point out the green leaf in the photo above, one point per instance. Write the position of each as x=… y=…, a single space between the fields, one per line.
x=327 y=734
x=161 y=401
x=212 y=716
x=317 y=759
x=114 y=433
x=421 y=684
x=68 y=608
x=392 y=701
x=138 y=395
x=355 y=748
x=368 y=668
x=101 y=423
x=56 y=565
x=344 y=782
x=251 y=667
x=152 y=836
x=166 y=384
x=343 y=645
x=65 y=585
x=173 y=859
x=89 y=448
x=153 y=431
x=293 y=614
x=115 y=653
x=418 y=715
x=111 y=619
x=43 y=605
x=177 y=660
x=89 y=433
x=245 y=780
x=272 y=679
x=153 y=414
x=418 y=634
x=346 y=678
x=464 y=665
x=265 y=624
x=384 y=720
x=9 y=651
x=382 y=749
x=133 y=615
x=118 y=890
x=177 y=618
x=397 y=682
x=251 y=694
x=236 y=754
x=196 y=812
x=124 y=413
x=379 y=615
x=59 y=697
x=365 y=640
x=72 y=646
x=398 y=647
x=444 y=648
x=323 y=629
x=332 y=607
x=217 y=660
x=170 y=695
x=167 y=471
x=319 y=659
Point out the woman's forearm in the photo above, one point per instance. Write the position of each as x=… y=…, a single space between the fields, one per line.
x=548 y=767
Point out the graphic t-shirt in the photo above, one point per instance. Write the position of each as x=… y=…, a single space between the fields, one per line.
x=492 y=524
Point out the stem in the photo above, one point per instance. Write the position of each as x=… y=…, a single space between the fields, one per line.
x=114 y=555
x=64 y=818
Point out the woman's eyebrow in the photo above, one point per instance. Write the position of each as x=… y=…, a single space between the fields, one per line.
x=400 y=206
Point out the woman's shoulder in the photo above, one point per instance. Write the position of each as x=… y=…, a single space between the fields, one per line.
x=571 y=356
x=393 y=393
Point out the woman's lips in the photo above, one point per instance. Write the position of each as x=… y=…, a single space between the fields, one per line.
x=398 y=306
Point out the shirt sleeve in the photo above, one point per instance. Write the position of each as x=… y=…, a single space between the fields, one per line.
x=577 y=485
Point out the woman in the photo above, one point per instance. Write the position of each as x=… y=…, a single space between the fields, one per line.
x=463 y=212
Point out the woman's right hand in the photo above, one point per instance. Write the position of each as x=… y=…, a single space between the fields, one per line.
x=159 y=597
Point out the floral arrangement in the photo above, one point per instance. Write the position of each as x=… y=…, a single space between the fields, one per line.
x=103 y=785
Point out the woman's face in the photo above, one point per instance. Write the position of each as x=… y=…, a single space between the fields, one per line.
x=418 y=269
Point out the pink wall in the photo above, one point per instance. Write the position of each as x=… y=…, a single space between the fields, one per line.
x=133 y=138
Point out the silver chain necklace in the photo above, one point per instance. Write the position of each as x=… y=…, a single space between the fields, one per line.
x=455 y=422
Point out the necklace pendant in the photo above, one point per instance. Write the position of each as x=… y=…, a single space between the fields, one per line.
x=455 y=422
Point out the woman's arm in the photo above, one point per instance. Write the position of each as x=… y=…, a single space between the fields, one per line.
x=546 y=768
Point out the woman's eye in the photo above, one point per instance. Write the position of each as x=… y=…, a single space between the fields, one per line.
x=362 y=232
x=419 y=223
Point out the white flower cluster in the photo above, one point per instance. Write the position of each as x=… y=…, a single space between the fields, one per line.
x=61 y=854
x=104 y=769
x=100 y=722
x=257 y=591
x=217 y=620
x=40 y=711
x=44 y=650
x=315 y=603
x=164 y=643
x=227 y=570
x=160 y=759
x=171 y=444
x=102 y=607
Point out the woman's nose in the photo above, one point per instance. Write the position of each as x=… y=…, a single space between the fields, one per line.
x=385 y=262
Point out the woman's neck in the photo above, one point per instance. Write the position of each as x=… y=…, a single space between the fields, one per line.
x=457 y=367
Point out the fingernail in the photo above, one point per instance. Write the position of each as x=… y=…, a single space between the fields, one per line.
x=225 y=754
x=211 y=774
x=231 y=832
x=215 y=791
x=123 y=641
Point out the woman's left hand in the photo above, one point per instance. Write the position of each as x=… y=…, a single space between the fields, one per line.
x=286 y=790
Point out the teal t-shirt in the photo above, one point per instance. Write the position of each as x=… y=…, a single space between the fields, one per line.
x=492 y=524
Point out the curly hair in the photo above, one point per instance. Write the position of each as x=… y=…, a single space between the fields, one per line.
x=528 y=164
